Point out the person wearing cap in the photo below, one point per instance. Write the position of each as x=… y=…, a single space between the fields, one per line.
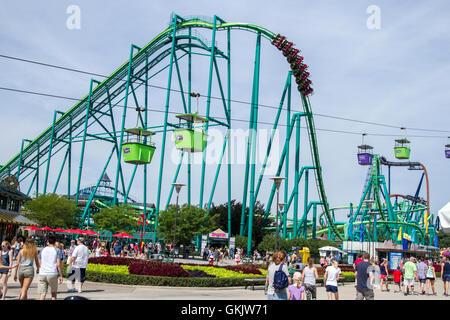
x=78 y=262
x=410 y=274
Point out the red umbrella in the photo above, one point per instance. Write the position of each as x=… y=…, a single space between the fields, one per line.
x=91 y=233
x=123 y=235
x=75 y=231
x=46 y=229
x=32 y=228
x=59 y=230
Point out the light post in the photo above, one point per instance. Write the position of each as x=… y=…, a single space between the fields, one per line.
x=277 y=181
x=280 y=207
x=177 y=189
x=368 y=204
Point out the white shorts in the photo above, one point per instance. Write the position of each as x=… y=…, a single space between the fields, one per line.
x=408 y=282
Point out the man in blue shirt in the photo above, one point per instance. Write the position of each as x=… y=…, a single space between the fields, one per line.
x=117 y=249
x=364 y=279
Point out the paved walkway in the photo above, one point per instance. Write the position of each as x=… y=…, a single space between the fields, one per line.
x=106 y=291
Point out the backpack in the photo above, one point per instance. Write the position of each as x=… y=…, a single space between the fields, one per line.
x=280 y=279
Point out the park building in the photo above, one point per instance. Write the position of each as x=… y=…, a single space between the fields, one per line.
x=11 y=201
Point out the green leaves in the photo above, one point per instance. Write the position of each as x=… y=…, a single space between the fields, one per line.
x=116 y=219
x=268 y=244
x=52 y=210
x=236 y=211
x=191 y=221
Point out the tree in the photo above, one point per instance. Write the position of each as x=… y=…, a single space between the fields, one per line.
x=443 y=239
x=268 y=244
x=191 y=221
x=116 y=219
x=241 y=242
x=259 y=222
x=52 y=210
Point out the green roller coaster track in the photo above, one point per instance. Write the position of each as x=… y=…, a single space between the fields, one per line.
x=164 y=54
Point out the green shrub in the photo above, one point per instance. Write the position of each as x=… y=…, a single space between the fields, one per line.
x=108 y=268
x=163 y=281
x=222 y=272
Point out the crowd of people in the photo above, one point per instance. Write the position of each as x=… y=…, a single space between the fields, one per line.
x=20 y=259
x=369 y=275
x=24 y=259
x=221 y=254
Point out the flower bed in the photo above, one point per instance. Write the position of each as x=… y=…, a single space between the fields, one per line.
x=222 y=272
x=143 y=267
x=107 y=268
x=133 y=279
x=164 y=269
x=153 y=273
x=243 y=268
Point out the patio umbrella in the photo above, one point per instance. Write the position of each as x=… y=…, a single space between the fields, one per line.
x=74 y=231
x=122 y=235
x=59 y=230
x=32 y=228
x=46 y=229
x=90 y=233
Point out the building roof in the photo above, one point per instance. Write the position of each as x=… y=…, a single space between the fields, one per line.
x=19 y=219
x=12 y=193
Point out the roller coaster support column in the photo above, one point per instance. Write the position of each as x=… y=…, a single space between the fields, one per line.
x=145 y=142
x=37 y=171
x=251 y=132
x=50 y=152
x=229 y=131
x=208 y=106
x=163 y=145
x=253 y=137
x=297 y=167
x=189 y=111
x=314 y=220
x=286 y=167
x=124 y=114
x=20 y=160
x=64 y=161
x=83 y=145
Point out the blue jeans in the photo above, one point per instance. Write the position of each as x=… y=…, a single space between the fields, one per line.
x=278 y=296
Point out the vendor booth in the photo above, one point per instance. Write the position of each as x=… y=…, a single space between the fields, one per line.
x=334 y=252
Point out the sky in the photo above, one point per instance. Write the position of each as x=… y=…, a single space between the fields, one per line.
x=389 y=66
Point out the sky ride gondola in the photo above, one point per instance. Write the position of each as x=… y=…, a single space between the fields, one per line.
x=365 y=153
x=191 y=136
x=136 y=150
x=401 y=149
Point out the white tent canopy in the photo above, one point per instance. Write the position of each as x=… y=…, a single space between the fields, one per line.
x=323 y=251
x=444 y=218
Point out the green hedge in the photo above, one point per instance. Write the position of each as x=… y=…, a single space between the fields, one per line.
x=133 y=279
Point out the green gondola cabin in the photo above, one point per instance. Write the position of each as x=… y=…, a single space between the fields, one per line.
x=402 y=149
x=135 y=150
x=190 y=138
